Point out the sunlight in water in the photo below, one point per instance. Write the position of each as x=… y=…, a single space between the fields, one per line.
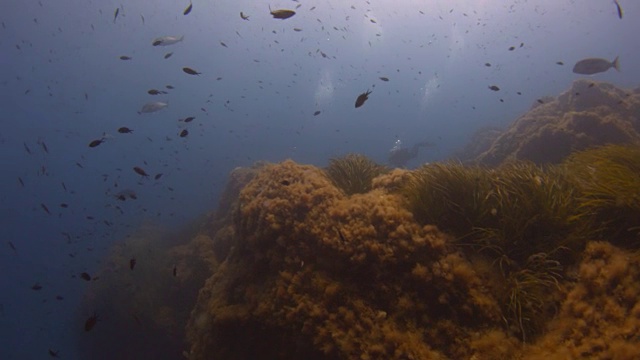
x=324 y=89
x=430 y=89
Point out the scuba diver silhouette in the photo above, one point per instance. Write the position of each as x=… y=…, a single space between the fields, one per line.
x=399 y=156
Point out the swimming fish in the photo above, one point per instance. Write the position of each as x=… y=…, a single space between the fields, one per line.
x=132 y=263
x=26 y=148
x=91 y=322
x=45 y=208
x=494 y=88
x=115 y=15
x=124 y=57
x=96 y=142
x=383 y=78
x=317 y=112
x=189 y=119
x=53 y=353
x=184 y=133
x=281 y=13
x=243 y=16
x=168 y=55
x=44 y=146
x=592 y=66
x=124 y=130
x=190 y=71
x=167 y=40
x=156 y=92
x=126 y=194
x=140 y=171
x=362 y=98
x=188 y=9
x=618 y=8
x=153 y=107
x=85 y=276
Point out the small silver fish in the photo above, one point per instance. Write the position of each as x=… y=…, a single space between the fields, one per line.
x=167 y=40
x=595 y=65
x=153 y=107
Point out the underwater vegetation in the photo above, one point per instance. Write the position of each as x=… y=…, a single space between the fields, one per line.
x=353 y=173
x=446 y=261
x=518 y=215
x=609 y=182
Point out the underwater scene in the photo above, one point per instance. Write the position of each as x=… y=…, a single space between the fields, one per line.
x=292 y=179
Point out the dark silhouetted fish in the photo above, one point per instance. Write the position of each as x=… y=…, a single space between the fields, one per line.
x=362 y=98
x=96 y=142
x=140 y=171
x=190 y=71
x=91 y=322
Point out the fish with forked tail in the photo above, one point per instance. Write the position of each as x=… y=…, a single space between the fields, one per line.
x=592 y=66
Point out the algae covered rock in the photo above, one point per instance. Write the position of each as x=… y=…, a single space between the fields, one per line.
x=587 y=115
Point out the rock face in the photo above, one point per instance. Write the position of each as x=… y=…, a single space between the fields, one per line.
x=587 y=115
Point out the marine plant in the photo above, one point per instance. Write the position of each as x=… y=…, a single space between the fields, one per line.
x=449 y=195
x=530 y=296
x=520 y=216
x=608 y=178
x=534 y=211
x=353 y=173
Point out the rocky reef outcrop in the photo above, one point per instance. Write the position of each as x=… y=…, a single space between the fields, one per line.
x=587 y=115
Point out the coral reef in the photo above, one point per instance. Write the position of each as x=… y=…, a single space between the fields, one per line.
x=587 y=115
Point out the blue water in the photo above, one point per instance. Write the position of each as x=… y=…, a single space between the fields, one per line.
x=62 y=84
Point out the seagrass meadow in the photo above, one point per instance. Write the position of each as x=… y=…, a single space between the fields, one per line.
x=447 y=261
